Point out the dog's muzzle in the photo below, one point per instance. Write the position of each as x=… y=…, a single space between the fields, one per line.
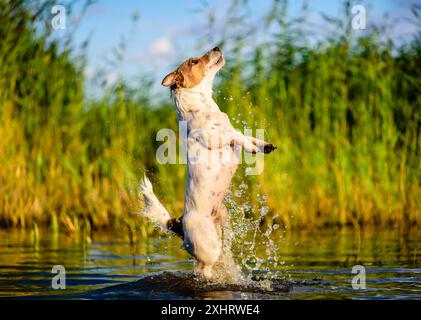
x=216 y=56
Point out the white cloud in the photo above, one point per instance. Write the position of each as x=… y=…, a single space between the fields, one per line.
x=162 y=46
x=158 y=53
x=89 y=72
x=111 y=78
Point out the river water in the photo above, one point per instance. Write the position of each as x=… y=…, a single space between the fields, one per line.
x=308 y=264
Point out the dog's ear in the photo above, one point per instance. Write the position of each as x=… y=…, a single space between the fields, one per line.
x=169 y=79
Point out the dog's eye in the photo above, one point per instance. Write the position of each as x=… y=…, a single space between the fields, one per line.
x=194 y=61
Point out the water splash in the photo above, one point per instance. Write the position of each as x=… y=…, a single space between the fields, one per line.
x=182 y=284
x=248 y=253
x=255 y=250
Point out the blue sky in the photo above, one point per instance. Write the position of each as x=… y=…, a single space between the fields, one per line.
x=168 y=32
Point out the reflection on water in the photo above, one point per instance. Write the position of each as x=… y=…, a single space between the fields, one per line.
x=314 y=264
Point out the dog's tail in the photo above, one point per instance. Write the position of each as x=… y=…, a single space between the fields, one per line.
x=154 y=210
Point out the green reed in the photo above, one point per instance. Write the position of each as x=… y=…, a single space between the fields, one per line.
x=345 y=115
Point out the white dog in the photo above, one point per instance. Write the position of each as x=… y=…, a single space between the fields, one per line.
x=211 y=160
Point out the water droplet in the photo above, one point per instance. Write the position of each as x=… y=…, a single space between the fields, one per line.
x=264 y=211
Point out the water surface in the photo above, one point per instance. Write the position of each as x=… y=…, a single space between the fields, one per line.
x=310 y=264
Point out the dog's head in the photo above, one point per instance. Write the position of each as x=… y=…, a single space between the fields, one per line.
x=196 y=71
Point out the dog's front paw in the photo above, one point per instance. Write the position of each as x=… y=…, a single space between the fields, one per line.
x=269 y=148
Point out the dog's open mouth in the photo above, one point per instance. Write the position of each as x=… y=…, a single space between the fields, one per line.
x=219 y=61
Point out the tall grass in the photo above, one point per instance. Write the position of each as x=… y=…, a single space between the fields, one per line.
x=345 y=115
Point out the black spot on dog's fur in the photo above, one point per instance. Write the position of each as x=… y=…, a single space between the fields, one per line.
x=176 y=226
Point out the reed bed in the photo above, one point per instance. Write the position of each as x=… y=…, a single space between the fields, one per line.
x=345 y=114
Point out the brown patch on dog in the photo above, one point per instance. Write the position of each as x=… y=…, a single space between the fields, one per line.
x=188 y=74
x=216 y=217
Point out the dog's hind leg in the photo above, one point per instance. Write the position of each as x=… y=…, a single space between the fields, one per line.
x=222 y=223
x=225 y=268
x=219 y=216
x=203 y=269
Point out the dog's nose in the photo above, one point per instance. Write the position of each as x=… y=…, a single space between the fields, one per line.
x=216 y=49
